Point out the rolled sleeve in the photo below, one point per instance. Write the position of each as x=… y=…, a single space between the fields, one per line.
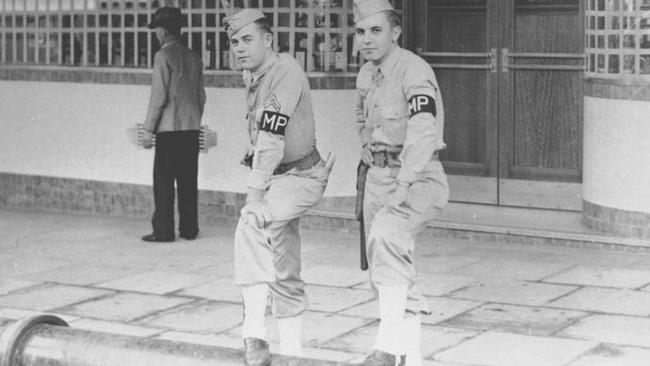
x=285 y=93
x=422 y=130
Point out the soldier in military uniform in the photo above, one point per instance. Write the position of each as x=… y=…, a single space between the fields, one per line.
x=287 y=178
x=400 y=119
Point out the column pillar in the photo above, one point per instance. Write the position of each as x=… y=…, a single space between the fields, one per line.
x=616 y=159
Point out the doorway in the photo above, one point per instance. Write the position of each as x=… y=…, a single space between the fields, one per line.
x=511 y=76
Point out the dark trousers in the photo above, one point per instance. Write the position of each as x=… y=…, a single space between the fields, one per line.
x=176 y=160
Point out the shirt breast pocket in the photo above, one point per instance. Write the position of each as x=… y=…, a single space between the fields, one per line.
x=392 y=114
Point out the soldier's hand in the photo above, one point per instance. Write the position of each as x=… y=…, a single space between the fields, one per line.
x=366 y=155
x=257 y=213
x=398 y=196
x=247 y=160
x=147 y=139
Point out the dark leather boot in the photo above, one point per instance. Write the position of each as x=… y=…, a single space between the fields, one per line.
x=379 y=358
x=256 y=352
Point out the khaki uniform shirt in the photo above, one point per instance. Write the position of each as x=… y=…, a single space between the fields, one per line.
x=177 y=92
x=400 y=105
x=280 y=118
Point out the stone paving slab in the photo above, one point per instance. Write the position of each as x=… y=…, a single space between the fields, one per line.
x=124 y=307
x=49 y=297
x=442 y=308
x=333 y=275
x=519 y=269
x=463 y=278
x=320 y=298
x=503 y=349
x=602 y=276
x=434 y=339
x=16 y=314
x=646 y=288
x=507 y=251
x=513 y=292
x=221 y=340
x=82 y=274
x=318 y=328
x=20 y=265
x=622 y=330
x=613 y=301
x=642 y=264
x=114 y=328
x=223 y=289
x=201 y=317
x=444 y=263
x=11 y=284
x=515 y=319
x=608 y=355
x=155 y=282
x=440 y=284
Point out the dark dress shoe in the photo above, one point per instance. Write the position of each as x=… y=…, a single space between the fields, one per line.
x=379 y=358
x=189 y=236
x=256 y=352
x=154 y=238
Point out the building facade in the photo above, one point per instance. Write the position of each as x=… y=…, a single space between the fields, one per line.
x=545 y=100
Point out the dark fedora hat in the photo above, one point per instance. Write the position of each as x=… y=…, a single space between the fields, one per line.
x=167 y=17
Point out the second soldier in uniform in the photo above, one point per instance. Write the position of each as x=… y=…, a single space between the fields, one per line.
x=400 y=119
x=287 y=178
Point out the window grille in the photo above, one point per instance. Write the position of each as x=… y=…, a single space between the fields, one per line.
x=112 y=33
x=618 y=38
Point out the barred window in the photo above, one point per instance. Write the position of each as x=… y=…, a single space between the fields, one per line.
x=618 y=38
x=112 y=33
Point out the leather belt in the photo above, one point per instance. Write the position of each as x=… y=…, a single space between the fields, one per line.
x=385 y=158
x=304 y=163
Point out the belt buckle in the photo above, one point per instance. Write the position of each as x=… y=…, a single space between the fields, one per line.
x=383 y=155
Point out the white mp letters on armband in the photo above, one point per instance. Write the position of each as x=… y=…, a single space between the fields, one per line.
x=422 y=103
x=274 y=122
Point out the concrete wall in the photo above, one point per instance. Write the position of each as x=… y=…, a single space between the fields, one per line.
x=617 y=153
x=78 y=130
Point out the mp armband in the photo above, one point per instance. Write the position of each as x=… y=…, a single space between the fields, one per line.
x=422 y=103
x=274 y=122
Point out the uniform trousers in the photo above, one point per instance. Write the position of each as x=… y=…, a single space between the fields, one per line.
x=393 y=231
x=272 y=254
x=176 y=161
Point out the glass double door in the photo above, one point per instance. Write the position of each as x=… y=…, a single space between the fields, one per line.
x=511 y=73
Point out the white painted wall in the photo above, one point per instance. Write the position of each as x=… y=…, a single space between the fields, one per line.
x=617 y=153
x=77 y=130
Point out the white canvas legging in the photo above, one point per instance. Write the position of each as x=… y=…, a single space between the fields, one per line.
x=272 y=254
x=392 y=232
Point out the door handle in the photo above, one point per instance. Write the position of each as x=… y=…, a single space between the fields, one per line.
x=491 y=57
x=508 y=61
x=493 y=60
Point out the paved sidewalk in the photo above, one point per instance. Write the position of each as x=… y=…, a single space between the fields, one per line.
x=493 y=304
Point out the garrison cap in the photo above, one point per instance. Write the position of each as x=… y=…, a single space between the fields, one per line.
x=167 y=17
x=242 y=18
x=366 y=8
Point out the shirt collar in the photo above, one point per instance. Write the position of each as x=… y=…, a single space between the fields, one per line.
x=266 y=66
x=170 y=39
x=389 y=63
x=263 y=69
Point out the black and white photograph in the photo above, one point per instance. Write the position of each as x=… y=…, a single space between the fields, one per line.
x=325 y=182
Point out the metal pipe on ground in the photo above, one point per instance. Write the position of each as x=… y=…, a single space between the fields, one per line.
x=46 y=340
